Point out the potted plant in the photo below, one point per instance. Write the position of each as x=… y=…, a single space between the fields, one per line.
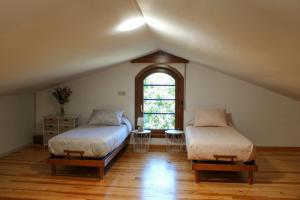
x=62 y=95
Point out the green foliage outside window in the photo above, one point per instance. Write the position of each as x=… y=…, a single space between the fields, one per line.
x=159 y=121
x=159 y=101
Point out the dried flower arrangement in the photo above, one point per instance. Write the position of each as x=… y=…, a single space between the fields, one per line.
x=62 y=95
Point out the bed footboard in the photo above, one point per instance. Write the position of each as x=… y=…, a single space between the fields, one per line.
x=82 y=161
x=223 y=166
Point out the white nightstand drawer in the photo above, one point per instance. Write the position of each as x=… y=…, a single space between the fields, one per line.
x=67 y=121
x=50 y=134
x=50 y=120
x=51 y=127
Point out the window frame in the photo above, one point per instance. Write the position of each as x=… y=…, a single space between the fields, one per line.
x=179 y=94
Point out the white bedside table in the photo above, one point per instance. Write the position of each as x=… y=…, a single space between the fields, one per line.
x=55 y=124
x=142 y=140
x=175 y=140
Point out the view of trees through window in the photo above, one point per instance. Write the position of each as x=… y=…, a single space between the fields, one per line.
x=159 y=101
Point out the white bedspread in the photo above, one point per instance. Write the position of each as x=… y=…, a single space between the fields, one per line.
x=95 y=141
x=205 y=142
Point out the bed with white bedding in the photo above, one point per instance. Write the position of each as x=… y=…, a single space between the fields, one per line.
x=204 y=142
x=214 y=145
x=92 y=145
x=95 y=141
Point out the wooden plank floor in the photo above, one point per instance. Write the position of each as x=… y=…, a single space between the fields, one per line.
x=153 y=175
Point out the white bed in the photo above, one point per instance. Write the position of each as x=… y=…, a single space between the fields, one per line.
x=204 y=142
x=95 y=141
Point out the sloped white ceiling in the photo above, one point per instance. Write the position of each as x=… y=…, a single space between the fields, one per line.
x=255 y=40
x=46 y=42
x=43 y=42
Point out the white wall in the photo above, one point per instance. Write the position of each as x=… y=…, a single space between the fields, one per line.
x=265 y=117
x=16 y=122
x=269 y=119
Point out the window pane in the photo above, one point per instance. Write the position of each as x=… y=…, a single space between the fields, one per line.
x=159 y=121
x=159 y=79
x=160 y=88
x=159 y=92
x=159 y=106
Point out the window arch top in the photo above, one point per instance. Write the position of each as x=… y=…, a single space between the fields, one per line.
x=158 y=78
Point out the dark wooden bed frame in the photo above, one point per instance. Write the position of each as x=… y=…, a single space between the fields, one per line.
x=100 y=163
x=220 y=165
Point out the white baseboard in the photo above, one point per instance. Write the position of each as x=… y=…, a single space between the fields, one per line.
x=15 y=149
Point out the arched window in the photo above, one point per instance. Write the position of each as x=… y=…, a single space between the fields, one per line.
x=159 y=98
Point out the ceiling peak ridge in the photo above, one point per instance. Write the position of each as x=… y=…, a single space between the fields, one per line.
x=153 y=35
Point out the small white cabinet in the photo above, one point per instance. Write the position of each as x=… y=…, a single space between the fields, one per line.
x=54 y=125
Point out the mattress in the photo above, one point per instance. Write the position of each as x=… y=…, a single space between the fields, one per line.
x=95 y=141
x=204 y=142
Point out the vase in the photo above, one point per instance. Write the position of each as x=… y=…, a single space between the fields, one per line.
x=62 y=110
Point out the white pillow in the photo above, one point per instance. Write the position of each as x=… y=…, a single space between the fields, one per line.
x=106 y=117
x=212 y=117
x=127 y=122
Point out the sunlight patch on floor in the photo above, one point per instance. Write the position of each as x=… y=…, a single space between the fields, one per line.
x=160 y=175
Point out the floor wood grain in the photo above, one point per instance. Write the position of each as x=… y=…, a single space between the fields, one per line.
x=154 y=175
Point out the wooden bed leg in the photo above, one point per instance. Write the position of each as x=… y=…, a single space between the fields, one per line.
x=197 y=176
x=53 y=170
x=250 y=177
x=101 y=173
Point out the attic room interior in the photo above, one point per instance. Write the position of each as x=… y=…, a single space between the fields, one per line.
x=149 y=99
